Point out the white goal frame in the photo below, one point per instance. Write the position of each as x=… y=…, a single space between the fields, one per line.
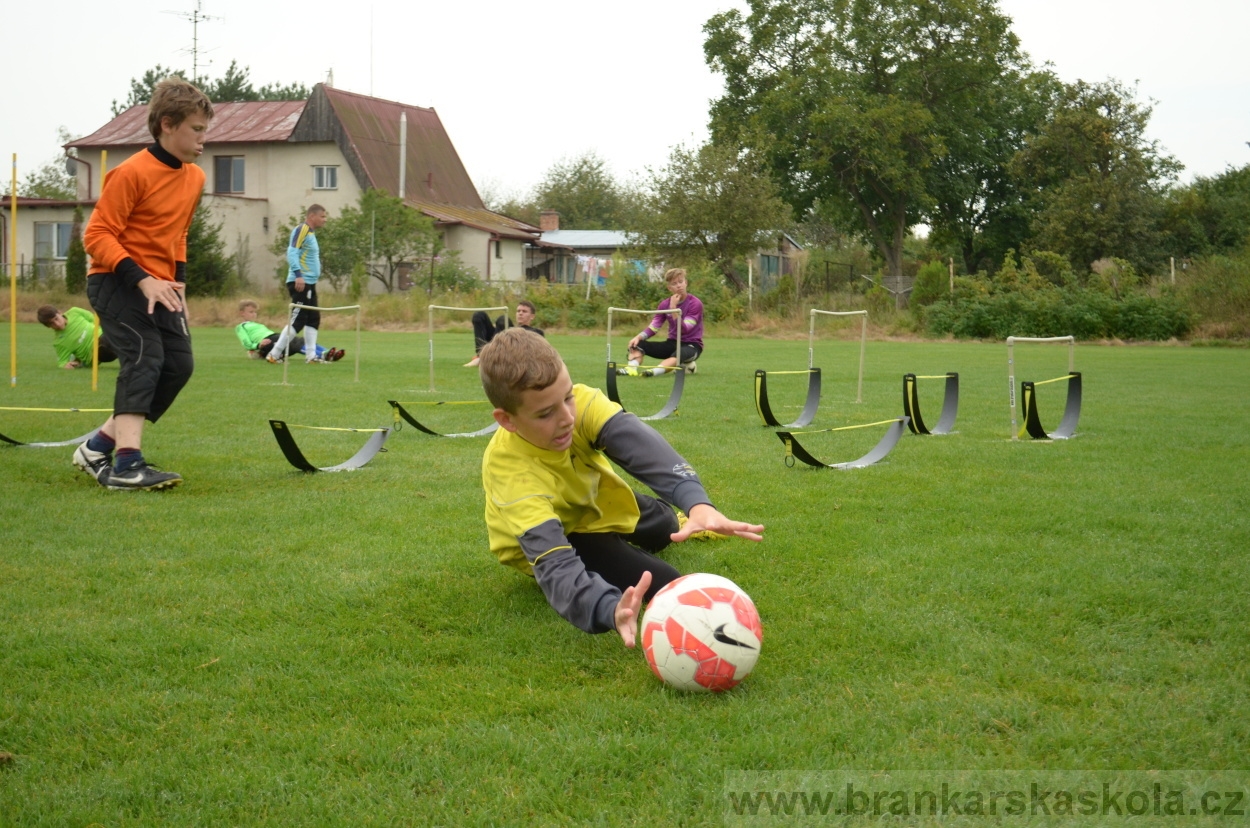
x=1011 y=368
x=667 y=312
x=863 y=340
x=295 y=308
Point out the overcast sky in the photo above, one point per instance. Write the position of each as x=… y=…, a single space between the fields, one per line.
x=521 y=86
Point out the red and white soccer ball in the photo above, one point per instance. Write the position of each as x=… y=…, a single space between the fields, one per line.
x=701 y=632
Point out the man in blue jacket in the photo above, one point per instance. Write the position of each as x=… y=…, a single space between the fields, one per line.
x=303 y=258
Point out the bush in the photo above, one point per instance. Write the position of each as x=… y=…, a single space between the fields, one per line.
x=1217 y=290
x=76 y=258
x=210 y=272
x=1079 y=312
x=589 y=314
x=452 y=274
x=932 y=283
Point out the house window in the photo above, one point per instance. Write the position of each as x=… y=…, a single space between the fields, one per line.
x=52 y=239
x=228 y=174
x=325 y=178
x=498 y=250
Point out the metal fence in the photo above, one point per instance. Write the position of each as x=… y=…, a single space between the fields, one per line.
x=40 y=275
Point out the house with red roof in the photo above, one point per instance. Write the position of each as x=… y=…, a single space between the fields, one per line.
x=267 y=161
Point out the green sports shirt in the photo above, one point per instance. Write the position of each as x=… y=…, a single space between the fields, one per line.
x=75 y=341
x=251 y=333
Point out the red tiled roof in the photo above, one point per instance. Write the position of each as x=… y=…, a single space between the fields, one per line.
x=233 y=123
x=479 y=217
x=434 y=171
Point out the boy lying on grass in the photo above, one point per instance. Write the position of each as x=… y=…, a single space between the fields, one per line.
x=555 y=509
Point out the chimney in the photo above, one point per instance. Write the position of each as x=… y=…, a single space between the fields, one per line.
x=549 y=220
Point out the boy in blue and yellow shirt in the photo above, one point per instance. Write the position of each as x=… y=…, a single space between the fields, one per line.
x=556 y=509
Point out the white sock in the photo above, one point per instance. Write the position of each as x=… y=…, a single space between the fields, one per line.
x=280 y=346
x=635 y=362
x=310 y=342
x=658 y=371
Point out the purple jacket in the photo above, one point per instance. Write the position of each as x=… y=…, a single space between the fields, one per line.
x=691 y=321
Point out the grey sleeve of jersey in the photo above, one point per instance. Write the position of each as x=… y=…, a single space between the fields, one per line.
x=640 y=450
x=582 y=598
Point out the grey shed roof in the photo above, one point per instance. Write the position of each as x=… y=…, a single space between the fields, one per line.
x=587 y=238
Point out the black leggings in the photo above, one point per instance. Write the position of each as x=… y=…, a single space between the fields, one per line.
x=621 y=559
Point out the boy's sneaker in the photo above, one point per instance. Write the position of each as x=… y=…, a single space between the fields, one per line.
x=142 y=476
x=472 y=363
x=273 y=360
x=94 y=463
x=706 y=534
x=627 y=371
x=691 y=367
x=334 y=354
x=315 y=361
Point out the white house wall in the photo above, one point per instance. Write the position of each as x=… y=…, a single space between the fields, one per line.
x=477 y=250
x=27 y=218
x=277 y=188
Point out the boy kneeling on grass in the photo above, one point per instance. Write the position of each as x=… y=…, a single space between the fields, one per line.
x=555 y=508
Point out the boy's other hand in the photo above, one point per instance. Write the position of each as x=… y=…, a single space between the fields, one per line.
x=166 y=293
x=627 y=610
x=704 y=516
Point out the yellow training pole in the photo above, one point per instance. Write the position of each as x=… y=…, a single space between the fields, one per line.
x=13 y=277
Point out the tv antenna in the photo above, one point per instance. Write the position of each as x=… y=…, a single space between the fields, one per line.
x=195 y=17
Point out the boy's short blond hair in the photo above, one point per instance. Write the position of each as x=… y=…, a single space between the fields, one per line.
x=674 y=273
x=515 y=361
x=175 y=99
x=248 y=303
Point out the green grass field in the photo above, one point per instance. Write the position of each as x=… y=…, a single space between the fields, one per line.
x=264 y=647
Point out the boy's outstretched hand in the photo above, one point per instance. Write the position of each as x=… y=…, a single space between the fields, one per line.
x=627 y=610
x=705 y=516
x=166 y=293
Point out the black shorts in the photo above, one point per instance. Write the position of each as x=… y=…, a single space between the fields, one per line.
x=299 y=316
x=665 y=348
x=154 y=349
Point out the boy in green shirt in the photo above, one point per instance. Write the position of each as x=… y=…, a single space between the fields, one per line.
x=72 y=342
x=556 y=509
x=259 y=340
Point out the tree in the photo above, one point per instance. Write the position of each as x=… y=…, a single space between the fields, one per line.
x=1096 y=183
x=861 y=106
x=210 y=272
x=980 y=211
x=76 y=256
x=379 y=233
x=51 y=180
x=583 y=192
x=716 y=201
x=235 y=85
x=141 y=88
x=1211 y=215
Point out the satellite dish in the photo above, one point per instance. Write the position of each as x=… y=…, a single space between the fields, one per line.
x=71 y=165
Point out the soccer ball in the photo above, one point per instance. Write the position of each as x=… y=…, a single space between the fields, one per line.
x=701 y=632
